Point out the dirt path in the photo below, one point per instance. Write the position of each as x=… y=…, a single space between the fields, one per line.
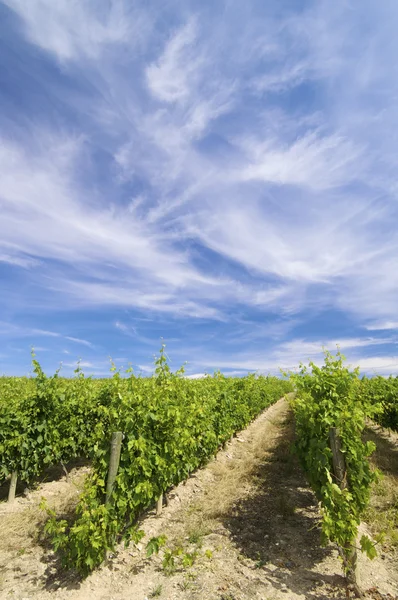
x=247 y=521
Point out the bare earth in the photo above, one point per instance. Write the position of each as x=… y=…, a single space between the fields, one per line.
x=248 y=518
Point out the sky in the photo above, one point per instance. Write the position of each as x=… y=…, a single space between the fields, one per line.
x=219 y=175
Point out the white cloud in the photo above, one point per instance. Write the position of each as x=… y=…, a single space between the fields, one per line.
x=314 y=161
x=382 y=326
x=170 y=77
x=83 y=364
x=384 y=365
x=20 y=261
x=133 y=332
x=123 y=327
x=288 y=356
x=291 y=245
x=196 y=376
x=19 y=331
x=372 y=292
x=79 y=341
x=71 y=29
x=234 y=199
x=281 y=79
x=45 y=214
x=146 y=369
x=165 y=301
x=305 y=348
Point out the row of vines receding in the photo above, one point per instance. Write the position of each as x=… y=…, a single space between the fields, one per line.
x=171 y=425
x=331 y=407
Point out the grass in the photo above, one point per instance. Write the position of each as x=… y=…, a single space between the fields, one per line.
x=21 y=525
x=382 y=513
x=198 y=532
x=18 y=529
x=185 y=585
x=189 y=582
x=156 y=592
x=232 y=479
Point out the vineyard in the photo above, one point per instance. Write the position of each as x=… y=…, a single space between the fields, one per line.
x=330 y=409
x=382 y=392
x=169 y=427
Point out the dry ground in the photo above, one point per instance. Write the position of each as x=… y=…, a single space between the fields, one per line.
x=248 y=521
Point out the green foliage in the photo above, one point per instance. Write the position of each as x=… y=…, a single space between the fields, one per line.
x=154 y=545
x=368 y=547
x=327 y=397
x=382 y=392
x=173 y=557
x=44 y=420
x=171 y=425
x=169 y=559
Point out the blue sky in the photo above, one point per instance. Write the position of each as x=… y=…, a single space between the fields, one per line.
x=220 y=174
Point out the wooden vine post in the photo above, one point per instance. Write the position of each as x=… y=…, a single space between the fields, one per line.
x=339 y=468
x=116 y=445
x=13 y=487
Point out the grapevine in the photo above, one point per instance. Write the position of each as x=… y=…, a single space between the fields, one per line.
x=171 y=426
x=327 y=398
x=382 y=393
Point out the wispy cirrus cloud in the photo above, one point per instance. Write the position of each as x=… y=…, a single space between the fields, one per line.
x=377 y=365
x=72 y=30
x=8 y=329
x=20 y=261
x=314 y=161
x=200 y=163
x=79 y=341
x=381 y=326
x=288 y=356
x=170 y=77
